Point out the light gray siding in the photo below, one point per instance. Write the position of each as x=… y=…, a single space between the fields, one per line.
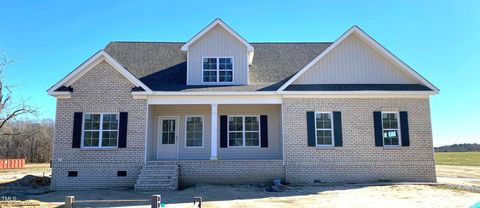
x=355 y=62
x=181 y=111
x=273 y=151
x=217 y=42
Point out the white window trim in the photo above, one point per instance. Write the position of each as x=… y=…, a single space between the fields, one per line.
x=218 y=69
x=398 y=129
x=203 y=130
x=243 y=131
x=100 y=131
x=331 y=130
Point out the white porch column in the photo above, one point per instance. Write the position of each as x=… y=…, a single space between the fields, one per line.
x=213 y=132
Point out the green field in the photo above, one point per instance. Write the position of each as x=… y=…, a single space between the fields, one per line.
x=458 y=158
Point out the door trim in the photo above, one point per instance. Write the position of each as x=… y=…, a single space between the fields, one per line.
x=159 y=139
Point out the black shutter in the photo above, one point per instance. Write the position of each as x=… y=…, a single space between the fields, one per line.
x=404 y=128
x=337 y=128
x=311 y=129
x=223 y=131
x=77 y=129
x=377 y=122
x=264 y=131
x=122 y=130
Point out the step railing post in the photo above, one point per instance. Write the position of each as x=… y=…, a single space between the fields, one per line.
x=156 y=200
x=69 y=200
x=199 y=200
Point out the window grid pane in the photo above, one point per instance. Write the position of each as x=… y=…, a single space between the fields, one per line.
x=168 y=131
x=226 y=76
x=244 y=131
x=217 y=69
x=390 y=129
x=210 y=63
x=323 y=122
x=235 y=127
x=194 y=131
x=100 y=130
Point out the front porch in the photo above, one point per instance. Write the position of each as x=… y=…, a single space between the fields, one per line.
x=177 y=132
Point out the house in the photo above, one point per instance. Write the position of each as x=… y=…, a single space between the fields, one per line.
x=220 y=109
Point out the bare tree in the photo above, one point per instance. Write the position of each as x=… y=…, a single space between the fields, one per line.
x=8 y=109
x=34 y=142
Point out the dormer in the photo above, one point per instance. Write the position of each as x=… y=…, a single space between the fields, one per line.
x=217 y=55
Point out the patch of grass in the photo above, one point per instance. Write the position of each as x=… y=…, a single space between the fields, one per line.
x=458 y=158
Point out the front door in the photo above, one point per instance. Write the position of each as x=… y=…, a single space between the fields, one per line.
x=167 y=138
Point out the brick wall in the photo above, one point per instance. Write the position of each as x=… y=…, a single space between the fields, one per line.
x=94 y=175
x=227 y=171
x=359 y=160
x=102 y=89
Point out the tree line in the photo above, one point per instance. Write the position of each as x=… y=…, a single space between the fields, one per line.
x=27 y=139
x=459 y=148
x=24 y=137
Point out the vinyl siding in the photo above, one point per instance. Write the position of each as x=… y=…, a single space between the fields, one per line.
x=274 y=131
x=181 y=111
x=355 y=62
x=217 y=42
x=273 y=151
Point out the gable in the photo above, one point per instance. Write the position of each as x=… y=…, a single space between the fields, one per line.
x=353 y=61
x=101 y=79
x=363 y=37
x=88 y=65
x=217 y=42
x=217 y=23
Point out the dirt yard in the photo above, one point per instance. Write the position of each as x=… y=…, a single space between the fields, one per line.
x=378 y=195
x=8 y=175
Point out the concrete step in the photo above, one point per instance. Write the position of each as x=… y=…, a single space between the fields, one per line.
x=155 y=188
x=159 y=172
x=157 y=176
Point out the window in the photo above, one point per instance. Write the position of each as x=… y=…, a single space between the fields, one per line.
x=244 y=131
x=121 y=173
x=100 y=130
x=72 y=173
x=168 y=131
x=194 y=131
x=218 y=69
x=324 y=128
x=390 y=128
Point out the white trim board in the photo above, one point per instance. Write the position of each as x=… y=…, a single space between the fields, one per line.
x=207 y=100
x=88 y=65
x=375 y=45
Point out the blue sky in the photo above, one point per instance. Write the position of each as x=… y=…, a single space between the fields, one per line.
x=439 y=39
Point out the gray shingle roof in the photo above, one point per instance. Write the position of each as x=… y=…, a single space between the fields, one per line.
x=162 y=65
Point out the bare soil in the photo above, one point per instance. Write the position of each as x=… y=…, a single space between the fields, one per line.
x=8 y=175
x=401 y=196
x=375 y=195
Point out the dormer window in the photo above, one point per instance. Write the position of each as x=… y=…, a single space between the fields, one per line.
x=218 y=69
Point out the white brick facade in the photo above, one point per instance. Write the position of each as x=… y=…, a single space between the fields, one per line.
x=358 y=160
x=105 y=90
x=102 y=89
